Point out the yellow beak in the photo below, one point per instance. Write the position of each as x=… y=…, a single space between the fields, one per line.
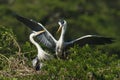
x=39 y=32
x=59 y=29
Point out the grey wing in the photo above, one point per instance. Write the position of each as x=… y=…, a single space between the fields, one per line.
x=89 y=39
x=46 y=38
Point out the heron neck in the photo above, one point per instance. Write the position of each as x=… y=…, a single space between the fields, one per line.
x=35 y=43
x=62 y=34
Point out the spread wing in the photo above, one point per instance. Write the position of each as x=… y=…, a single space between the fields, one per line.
x=46 y=38
x=29 y=22
x=89 y=39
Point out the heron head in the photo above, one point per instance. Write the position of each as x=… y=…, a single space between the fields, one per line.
x=62 y=24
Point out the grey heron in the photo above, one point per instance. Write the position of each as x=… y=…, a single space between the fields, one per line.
x=42 y=55
x=61 y=46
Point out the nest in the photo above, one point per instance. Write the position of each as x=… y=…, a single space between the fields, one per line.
x=16 y=66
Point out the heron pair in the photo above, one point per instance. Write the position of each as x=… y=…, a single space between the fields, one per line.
x=59 y=46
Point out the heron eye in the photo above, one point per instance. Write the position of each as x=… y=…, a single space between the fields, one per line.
x=61 y=21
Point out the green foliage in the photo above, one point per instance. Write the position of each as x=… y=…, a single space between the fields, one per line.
x=8 y=44
x=86 y=64
x=83 y=63
x=8 y=47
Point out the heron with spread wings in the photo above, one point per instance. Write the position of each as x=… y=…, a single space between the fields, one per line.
x=60 y=46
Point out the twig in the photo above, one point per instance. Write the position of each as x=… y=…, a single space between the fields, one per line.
x=9 y=63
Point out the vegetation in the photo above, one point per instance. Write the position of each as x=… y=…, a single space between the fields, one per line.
x=84 y=17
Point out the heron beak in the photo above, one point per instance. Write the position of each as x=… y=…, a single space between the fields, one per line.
x=59 y=29
x=39 y=32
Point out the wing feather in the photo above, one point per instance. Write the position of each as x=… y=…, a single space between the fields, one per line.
x=46 y=38
x=91 y=40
